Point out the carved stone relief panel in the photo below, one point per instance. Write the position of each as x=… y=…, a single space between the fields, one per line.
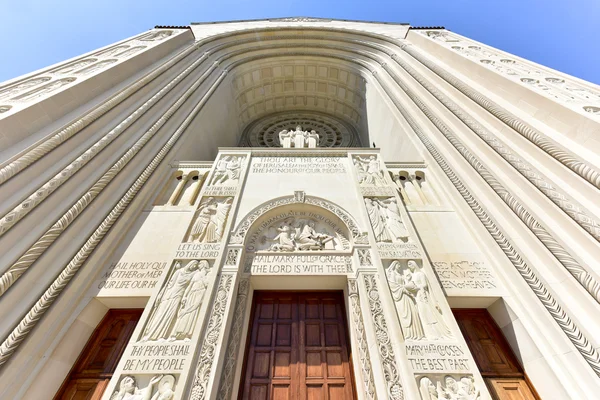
x=417 y=307
x=436 y=387
x=299 y=228
x=386 y=221
x=177 y=305
x=577 y=95
x=369 y=170
x=210 y=219
x=159 y=387
x=227 y=170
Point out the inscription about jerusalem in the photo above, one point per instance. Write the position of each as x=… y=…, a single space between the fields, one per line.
x=298 y=165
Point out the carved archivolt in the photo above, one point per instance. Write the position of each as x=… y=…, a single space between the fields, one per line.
x=557 y=196
x=20 y=332
x=240 y=232
x=589 y=353
x=587 y=280
x=563 y=155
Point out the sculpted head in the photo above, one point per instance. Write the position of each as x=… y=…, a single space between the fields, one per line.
x=127 y=384
x=298 y=128
x=412 y=265
x=450 y=383
x=192 y=265
x=166 y=383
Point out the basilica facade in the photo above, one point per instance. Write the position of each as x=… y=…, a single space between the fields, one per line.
x=299 y=208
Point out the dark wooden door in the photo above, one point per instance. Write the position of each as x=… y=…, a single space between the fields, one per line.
x=297 y=348
x=497 y=363
x=98 y=360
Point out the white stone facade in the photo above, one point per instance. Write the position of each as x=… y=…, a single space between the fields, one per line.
x=433 y=173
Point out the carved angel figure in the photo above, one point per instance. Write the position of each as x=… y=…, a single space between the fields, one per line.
x=204 y=229
x=285 y=239
x=386 y=220
x=227 y=171
x=369 y=172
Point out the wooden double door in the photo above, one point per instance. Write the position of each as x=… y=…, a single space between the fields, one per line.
x=297 y=348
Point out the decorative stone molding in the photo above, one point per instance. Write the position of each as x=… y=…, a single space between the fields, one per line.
x=235 y=341
x=585 y=278
x=588 y=352
x=557 y=196
x=542 y=80
x=29 y=204
x=384 y=346
x=232 y=257
x=77 y=125
x=20 y=332
x=38 y=248
x=361 y=338
x=364 y=257
x=558 y=152
x=208 y=353
x=34 y=87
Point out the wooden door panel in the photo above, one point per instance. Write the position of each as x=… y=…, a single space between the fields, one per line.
x=510 y=388
x=98 y=360
x=497 y=363
x=297 y=348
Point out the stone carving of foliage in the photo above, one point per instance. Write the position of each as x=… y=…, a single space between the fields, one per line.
x=363 y=346
x=208 y=353
x=232 y=256
x=227 y=379
x=364 y=257
x=384 y=345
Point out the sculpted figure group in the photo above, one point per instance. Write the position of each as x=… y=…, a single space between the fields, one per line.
x=369 y=171
x=177 y=305
x=210 y=220
x=419 y=313
x=385 y=219
x=298 y=138
x=300 y=235
x=227 y=171
x=128 y=389
x=451 y=390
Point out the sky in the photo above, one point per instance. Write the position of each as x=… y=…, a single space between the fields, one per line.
x=560 y=34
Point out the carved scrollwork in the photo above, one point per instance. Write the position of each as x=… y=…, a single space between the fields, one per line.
x=208 y=352
x=384 y=345
x=363 y=346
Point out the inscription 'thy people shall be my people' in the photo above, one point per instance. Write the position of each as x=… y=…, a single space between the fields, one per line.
x=298 y=165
